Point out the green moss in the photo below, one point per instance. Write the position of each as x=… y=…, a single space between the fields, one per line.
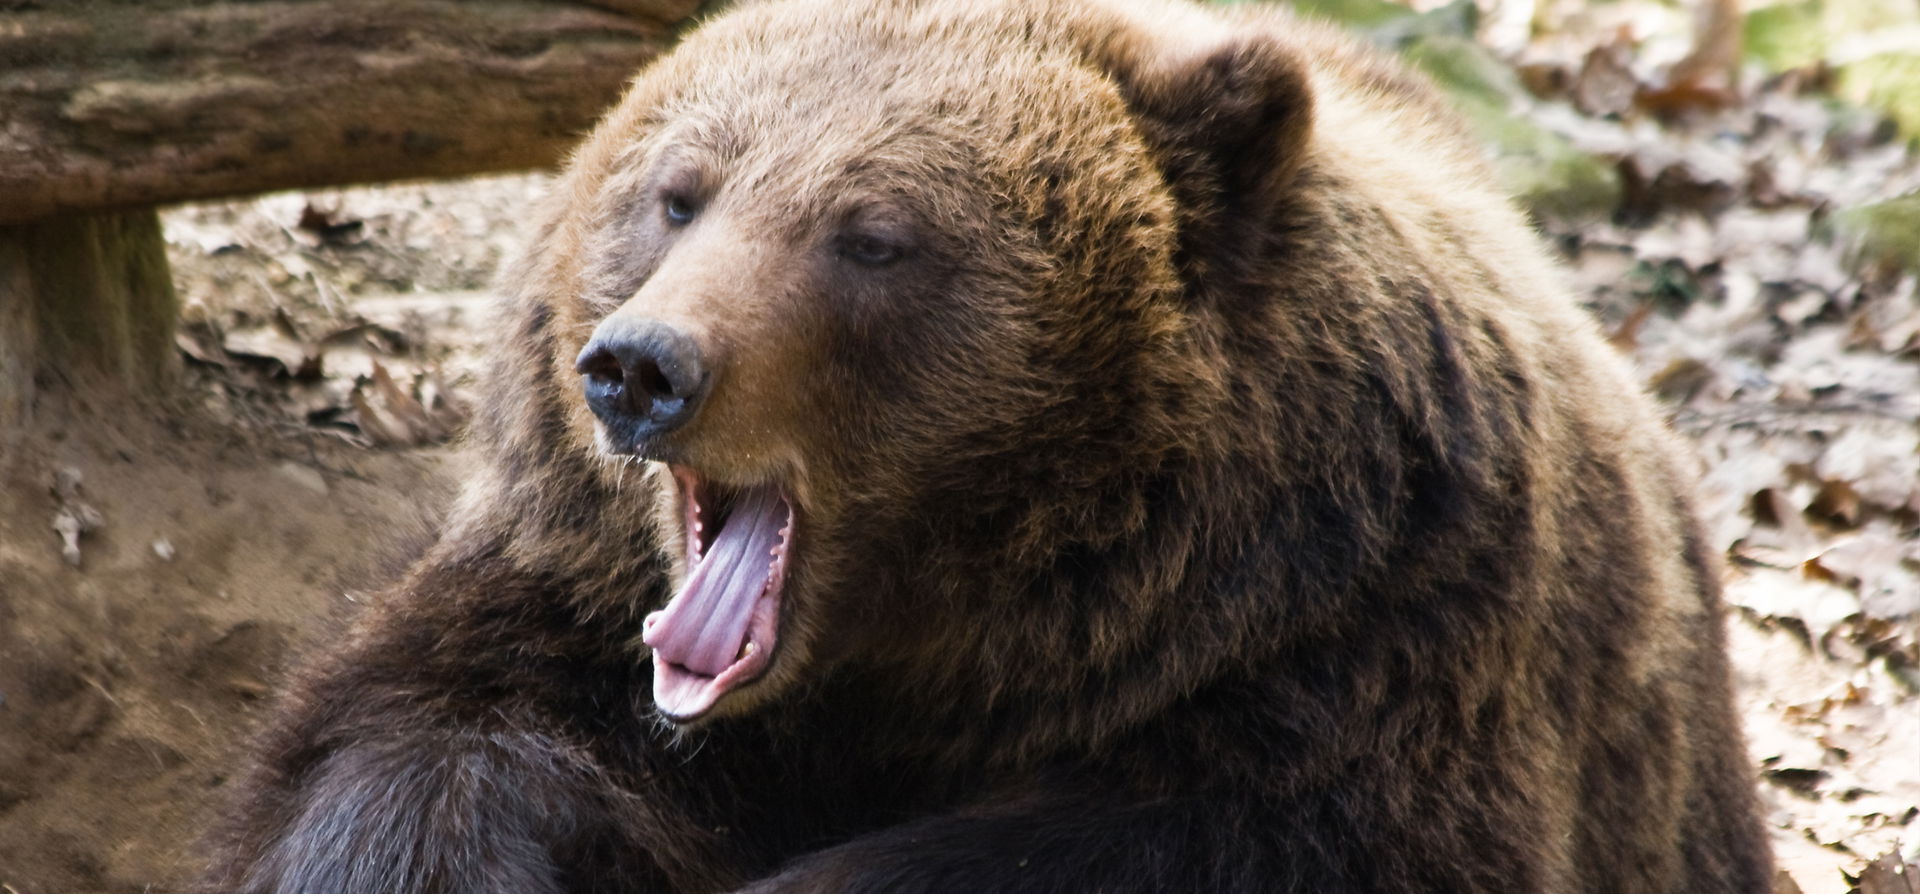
x=1540 y=168
x=1884 y=234
x=1545 y=172
x=1353 y=13
x=1887 y=82
x=1786 y=36
x=1464 y=69
x=1796 y=34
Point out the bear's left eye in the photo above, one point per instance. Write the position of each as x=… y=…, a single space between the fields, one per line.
x=678 y=208
x=868 y=251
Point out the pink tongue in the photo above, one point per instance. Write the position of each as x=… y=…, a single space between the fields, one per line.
x=705 y=625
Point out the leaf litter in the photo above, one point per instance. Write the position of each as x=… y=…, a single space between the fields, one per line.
x=1782 y=336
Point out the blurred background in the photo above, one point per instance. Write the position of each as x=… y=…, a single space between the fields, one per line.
x=221 y=418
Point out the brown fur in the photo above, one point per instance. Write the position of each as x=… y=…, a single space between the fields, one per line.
x=1219 y=493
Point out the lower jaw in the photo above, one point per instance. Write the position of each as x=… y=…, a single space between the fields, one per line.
x=683 y=696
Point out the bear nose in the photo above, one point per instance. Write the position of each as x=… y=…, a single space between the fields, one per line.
x=642 y=377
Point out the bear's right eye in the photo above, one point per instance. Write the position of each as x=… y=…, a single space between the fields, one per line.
x=678 y=208
x=868 y=251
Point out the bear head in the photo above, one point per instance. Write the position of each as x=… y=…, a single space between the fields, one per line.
x=897 y=309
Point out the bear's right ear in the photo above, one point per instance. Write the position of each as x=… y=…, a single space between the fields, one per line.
x=1226 y=111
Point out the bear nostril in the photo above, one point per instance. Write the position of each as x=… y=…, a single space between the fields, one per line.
x=648 y=379
x=602 y=368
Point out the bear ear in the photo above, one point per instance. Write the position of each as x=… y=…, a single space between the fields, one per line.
x=1227 y=113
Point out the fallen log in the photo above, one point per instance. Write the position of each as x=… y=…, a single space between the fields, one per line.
x=117 y=104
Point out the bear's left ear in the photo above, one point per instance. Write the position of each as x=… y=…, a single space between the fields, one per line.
x=1227 y=111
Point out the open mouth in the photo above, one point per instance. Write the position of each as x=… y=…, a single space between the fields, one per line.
x=718 y=632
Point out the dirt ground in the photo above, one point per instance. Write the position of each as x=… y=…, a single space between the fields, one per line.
x=328 y=352
x=127 y=682
x=231 y=527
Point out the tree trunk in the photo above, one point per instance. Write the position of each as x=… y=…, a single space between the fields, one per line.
x=85 y=301
x=109 y=104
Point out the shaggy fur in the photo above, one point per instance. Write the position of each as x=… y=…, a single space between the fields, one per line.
x=1211 y=488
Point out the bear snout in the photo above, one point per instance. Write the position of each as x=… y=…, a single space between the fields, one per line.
x=641 y=378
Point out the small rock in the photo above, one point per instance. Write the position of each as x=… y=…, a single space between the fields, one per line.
x=75 y=516
x=164 y=549
x=249 y=688
x=89 y=715
x=305 y=476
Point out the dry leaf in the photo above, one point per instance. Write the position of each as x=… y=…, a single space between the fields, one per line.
x=1892 y=873
x=1837 y=503
x=1606 y=83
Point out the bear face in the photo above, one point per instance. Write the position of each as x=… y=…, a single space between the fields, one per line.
x=844 y=316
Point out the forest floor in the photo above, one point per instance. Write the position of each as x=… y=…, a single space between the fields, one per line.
x=329 y=348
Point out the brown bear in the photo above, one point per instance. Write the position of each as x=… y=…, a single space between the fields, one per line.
x=1031 y=445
